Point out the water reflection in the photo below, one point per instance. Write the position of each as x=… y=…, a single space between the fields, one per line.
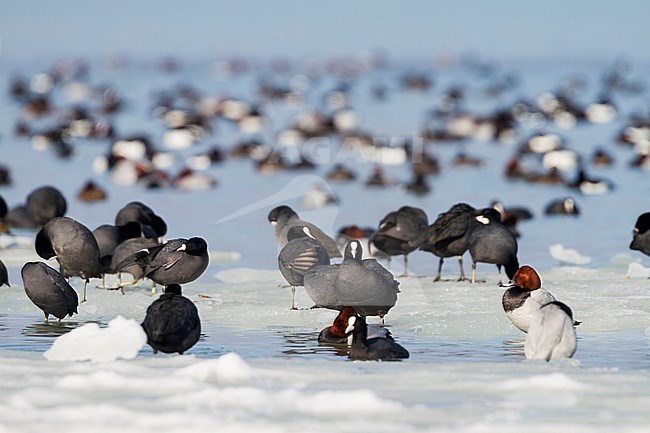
x=305 y=343
x=32 y=334
x=622 y=350
x=52 y=329
x=514 y=347
x=447 y=349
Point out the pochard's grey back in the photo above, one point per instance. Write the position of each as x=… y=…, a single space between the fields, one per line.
x=551 y=334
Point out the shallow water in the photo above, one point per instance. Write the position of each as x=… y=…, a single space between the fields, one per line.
x=620 y=350
x=466 y=371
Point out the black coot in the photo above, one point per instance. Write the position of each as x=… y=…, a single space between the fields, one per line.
x=48 y=290
x=74 y=247
x=172 y=323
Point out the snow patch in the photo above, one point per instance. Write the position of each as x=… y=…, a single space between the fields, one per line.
x=542 y=382
x=568 y=255
x=228 y=368
x=637 y=270
x=122 y=339
x=347 y=403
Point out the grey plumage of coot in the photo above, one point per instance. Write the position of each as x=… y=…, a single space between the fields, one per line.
x=641 y=234
x=301 y=253
x=74 y=247
x=177 y=261
x=448 y=235
x=127 y=249
x=152 y=224
x=371 y=349
x=109 y=236
x=18 y=217
x=401 y=232
x=492 y=242
x=283 y=218
x=364 y=285
x=48 y=290
x=44 y=204
x=172 y=323
x=320 y=284
x=4 y=275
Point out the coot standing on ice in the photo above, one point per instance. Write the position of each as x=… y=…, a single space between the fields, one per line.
x=48 y=290
x=74 y=247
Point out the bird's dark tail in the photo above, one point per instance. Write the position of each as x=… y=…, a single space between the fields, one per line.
x=136 y=258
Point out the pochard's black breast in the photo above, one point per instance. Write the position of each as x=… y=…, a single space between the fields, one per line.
x=514 y=298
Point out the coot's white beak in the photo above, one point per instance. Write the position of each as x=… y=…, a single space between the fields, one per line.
x=351 y=321
x=482 y=220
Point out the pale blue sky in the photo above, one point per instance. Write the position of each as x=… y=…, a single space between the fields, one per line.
x=205 y=29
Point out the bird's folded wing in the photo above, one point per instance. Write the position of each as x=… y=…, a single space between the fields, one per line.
x=304 y=261
x=135 y=258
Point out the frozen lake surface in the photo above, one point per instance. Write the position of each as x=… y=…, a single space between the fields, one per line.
x=466 y=371
x=258 y=366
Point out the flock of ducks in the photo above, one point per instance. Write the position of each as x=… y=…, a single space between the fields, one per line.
x=360 y=287
x=132 y=245
x=189 y=119
x=356 y=287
